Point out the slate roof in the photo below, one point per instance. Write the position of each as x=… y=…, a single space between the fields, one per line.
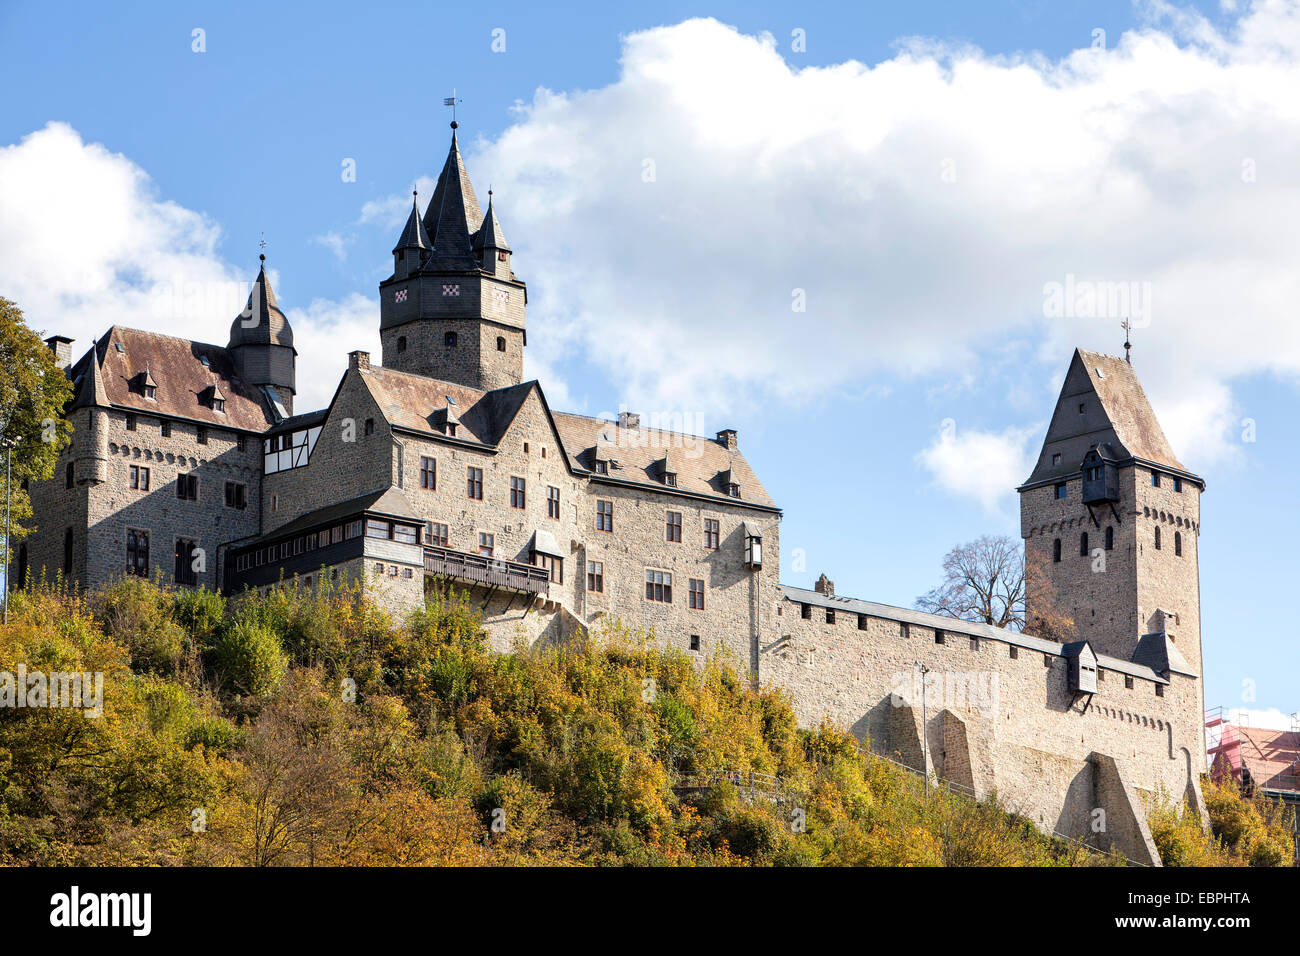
x=105 y=375
x=416 y=402
x=1117 y=414
x=388 y=501
x=453 y=217
x=489 y=234
x=261 y=322
x=413 y=235
x=954 y=626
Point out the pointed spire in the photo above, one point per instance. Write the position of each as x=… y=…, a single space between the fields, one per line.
x=489 y=235
x=261 y=322
x=92 y=392
x=453 y=215
x=414 y=236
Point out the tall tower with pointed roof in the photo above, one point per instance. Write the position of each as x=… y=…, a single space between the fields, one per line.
x=261 y=345
x=453 y=308
x=1112 y=520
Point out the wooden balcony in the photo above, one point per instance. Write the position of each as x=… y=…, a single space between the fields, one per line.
x=492 y=572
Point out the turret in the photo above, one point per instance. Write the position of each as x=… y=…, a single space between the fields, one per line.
x=261 y=345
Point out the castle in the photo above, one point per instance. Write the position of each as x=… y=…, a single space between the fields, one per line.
x=443 y=466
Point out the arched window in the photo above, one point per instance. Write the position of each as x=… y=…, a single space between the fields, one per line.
x=1083 y=544
x=1157 y=537
x=1178 y=544
x=501 y=343
x=1056 y=550
x=449 y=340
x=1110 y=537
x=401 y=343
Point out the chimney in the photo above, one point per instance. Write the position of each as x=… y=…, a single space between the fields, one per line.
x=727 y=438
x=61 y=346
x=358 y=359
x=629 y=420
x=824 y=584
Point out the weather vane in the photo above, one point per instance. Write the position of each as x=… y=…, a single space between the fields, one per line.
x=262 y=245
x=452 y=101
x=1127 y=327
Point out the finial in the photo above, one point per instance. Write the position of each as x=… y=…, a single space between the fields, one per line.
x=1127 y=326
x=262 y=245
x=452 y=101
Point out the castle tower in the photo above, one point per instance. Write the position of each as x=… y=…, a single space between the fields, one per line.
x=1111 y=521
x=261 y=344
x=453 y=309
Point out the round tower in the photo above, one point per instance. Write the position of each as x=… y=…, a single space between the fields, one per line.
x=261 y=343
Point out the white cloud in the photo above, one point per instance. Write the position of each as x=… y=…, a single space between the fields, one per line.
x=1269 y=718
x=980 y=465
x=922 y=203
x=86 y=242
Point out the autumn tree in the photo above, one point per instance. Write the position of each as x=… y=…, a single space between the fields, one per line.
x=33 y=393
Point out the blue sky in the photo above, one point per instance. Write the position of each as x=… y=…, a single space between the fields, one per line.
x=918 y=170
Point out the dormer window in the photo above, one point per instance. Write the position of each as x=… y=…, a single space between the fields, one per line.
x=219 y=405
x=215 y=399
x=146 y=385
x=670 y=479
x=733 y=490
x=451 y=429
x=601 y=467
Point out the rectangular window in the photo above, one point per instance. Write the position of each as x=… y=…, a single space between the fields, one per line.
x=436 y=534
x=486 y=544
x=236 y=495
x=166 y=429
x=974 y=643
x=554 y=566
x=184 y=570
x=674 y=530
x=428 y=474
x=474 y=483
x=1155 y=479
x=137 y=553
x=187 y=487
x=1060 y=491
x=711 y=536
x=1014 y=652
x=696 y=594
x=659 y=586
x=604 y=516
x=241 y=442
x=862 y=622
x=830 y=615
x=517 y=488
x=695 y=642
x=406 y=533
x=552 y=502
x=1178 y=485
x=139 y=478
x=130 y=423
x=940 y=638
x=805 y=612
x=377 y=529
x=201 y=435
x=596 y=576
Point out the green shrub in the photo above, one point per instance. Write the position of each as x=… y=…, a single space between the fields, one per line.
x=138 y=614
x=249 y=659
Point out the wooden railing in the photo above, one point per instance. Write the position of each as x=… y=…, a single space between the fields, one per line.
x=484 y=570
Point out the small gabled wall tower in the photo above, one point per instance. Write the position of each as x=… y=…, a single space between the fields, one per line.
x=1112 y=519
x=453 y=308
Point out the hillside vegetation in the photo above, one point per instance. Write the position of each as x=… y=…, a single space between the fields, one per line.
x=310 y=728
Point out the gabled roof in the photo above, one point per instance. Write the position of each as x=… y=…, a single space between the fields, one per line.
x=416 y=403
x=183 y=380
x=1159 y=652
x=261 y=322
x=453 y=217
x=640 y=452
x=1115 y=413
